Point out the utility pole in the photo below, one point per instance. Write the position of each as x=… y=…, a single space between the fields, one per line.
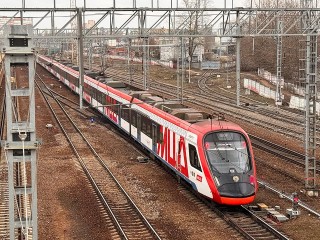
x=278 y=97
x=183 y=65
x=80 y=56
x=308 y=75
x=238 y=62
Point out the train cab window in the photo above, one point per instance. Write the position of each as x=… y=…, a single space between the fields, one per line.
x=227 y=152
x=194 y=159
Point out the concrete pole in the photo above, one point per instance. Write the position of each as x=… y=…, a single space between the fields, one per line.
x=182 y=67
x=80 y=55
x=238 y=59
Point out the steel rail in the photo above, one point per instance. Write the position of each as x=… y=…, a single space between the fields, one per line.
x=100 y=194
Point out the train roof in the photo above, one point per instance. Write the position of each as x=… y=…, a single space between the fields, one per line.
x=196 y=119
x=216 y=124
x=174 y=108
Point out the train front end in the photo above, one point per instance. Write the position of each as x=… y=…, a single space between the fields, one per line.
x=230 y=161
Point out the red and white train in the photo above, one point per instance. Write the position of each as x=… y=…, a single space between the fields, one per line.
x=214 y=156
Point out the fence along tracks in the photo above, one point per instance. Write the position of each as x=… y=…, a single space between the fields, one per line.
x=127 y=218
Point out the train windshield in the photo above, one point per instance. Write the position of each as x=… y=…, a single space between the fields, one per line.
x=227 y=152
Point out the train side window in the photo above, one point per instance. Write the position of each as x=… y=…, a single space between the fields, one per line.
x=143 y=127
x=149 y=129
x=146 y=126
x=139 y=122
x=103 y=100
x=98 y=96
x=71 y=79
x=194 y=159
x=115 y=106
x=125 y=113
x=133 y=118
x=76 y=79
x=160 y=136
x=94 y=91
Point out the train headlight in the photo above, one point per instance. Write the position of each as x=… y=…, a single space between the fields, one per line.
x=236 y=178
x=252 y=180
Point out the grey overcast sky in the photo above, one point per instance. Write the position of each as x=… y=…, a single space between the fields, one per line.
x=119 y=3
x=62 y=17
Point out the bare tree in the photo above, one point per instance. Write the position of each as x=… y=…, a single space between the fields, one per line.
x=193 y=23
x=261 y=51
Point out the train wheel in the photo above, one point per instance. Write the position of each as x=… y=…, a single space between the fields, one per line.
x=178 y=178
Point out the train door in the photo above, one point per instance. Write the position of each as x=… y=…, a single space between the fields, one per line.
x=120 y=114
x=195 y=167
x=130 y=120
x=154 y=137
x=181 y=162
x=178 y=159
x=138 y=126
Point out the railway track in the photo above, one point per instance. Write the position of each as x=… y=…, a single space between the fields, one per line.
x=247 y=218
x=228 y=98
x=283 y=153
x=288 y=123
x=127 y=218
x=263 y=231
x=252 y=105
x=283 y=117
x=280 y=151
x=223 y=105
x=250 y=224
x=219 y=106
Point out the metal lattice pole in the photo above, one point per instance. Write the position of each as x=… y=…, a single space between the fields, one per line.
x=310 y=77
x=278 y=98
x=21 y=144
x=145 y=63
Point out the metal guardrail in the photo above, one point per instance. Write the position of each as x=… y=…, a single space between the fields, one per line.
x=290 y=198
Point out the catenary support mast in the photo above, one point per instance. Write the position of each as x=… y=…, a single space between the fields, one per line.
x=21 y=144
